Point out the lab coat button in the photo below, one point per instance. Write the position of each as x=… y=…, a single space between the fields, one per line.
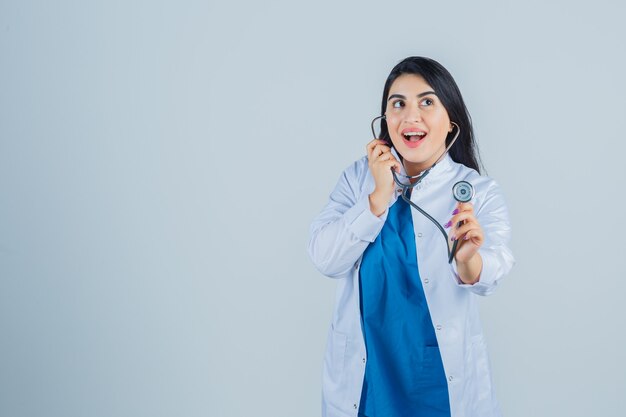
x=426 y=281
x=355 y=406
x=439 y=327
x=419 y=235
x=450 y=378
x=363 y=360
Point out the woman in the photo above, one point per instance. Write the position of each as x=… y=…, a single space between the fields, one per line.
x=405 y=338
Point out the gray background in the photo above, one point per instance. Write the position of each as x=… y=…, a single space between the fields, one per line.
x=160 y=163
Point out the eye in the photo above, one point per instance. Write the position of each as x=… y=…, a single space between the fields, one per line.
x=427 y=102
x=397 y=104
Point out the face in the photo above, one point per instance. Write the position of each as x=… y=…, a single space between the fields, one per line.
x=417 y=121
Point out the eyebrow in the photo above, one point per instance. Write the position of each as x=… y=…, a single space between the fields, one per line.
x=420 y=95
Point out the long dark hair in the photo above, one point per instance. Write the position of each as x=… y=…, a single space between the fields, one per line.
x=465 y=149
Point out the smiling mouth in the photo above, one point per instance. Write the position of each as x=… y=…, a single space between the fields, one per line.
x=414 y=136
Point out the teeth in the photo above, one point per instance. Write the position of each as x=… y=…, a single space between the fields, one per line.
x=415 y=134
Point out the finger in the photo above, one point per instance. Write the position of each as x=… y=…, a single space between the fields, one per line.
x=467 y=232
x=462 y=230
x=463 y=207
x=371 y=145
x=376 y=150
x=470 y=233
x=380 y=154
x=468 y=206
x=395 y=164
x=380 y=149
x=390 y=163
x=475 y=236
x=385 y=156
x=465 y=217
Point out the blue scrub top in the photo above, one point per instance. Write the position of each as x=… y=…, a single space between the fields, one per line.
x=404 y=374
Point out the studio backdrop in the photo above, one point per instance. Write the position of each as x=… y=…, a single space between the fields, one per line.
x=161 y=162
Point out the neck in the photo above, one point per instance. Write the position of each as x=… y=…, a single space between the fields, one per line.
x=416 y=168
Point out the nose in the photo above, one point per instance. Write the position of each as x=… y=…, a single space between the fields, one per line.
x=414 y=115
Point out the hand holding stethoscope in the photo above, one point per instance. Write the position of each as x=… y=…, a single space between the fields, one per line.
x=381 y=162
x=467 y=232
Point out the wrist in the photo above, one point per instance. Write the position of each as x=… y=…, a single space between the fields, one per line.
x=378 y=205
x=470 y=270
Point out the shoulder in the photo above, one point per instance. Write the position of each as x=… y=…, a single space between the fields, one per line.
x=357 y=168
x=356 y=174
x=479 y=181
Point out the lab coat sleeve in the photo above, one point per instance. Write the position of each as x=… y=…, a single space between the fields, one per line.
x=341 y=232
x=497 y=257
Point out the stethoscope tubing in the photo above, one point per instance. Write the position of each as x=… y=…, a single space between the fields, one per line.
x=406 y=187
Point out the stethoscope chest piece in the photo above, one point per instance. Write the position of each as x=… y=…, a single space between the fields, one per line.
x=463 y=191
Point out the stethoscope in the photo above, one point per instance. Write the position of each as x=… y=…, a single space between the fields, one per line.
x=462 y=191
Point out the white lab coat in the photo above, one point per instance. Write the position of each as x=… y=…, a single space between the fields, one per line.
x=339 y=236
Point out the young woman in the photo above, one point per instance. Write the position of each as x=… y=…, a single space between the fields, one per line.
x=405 y=338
